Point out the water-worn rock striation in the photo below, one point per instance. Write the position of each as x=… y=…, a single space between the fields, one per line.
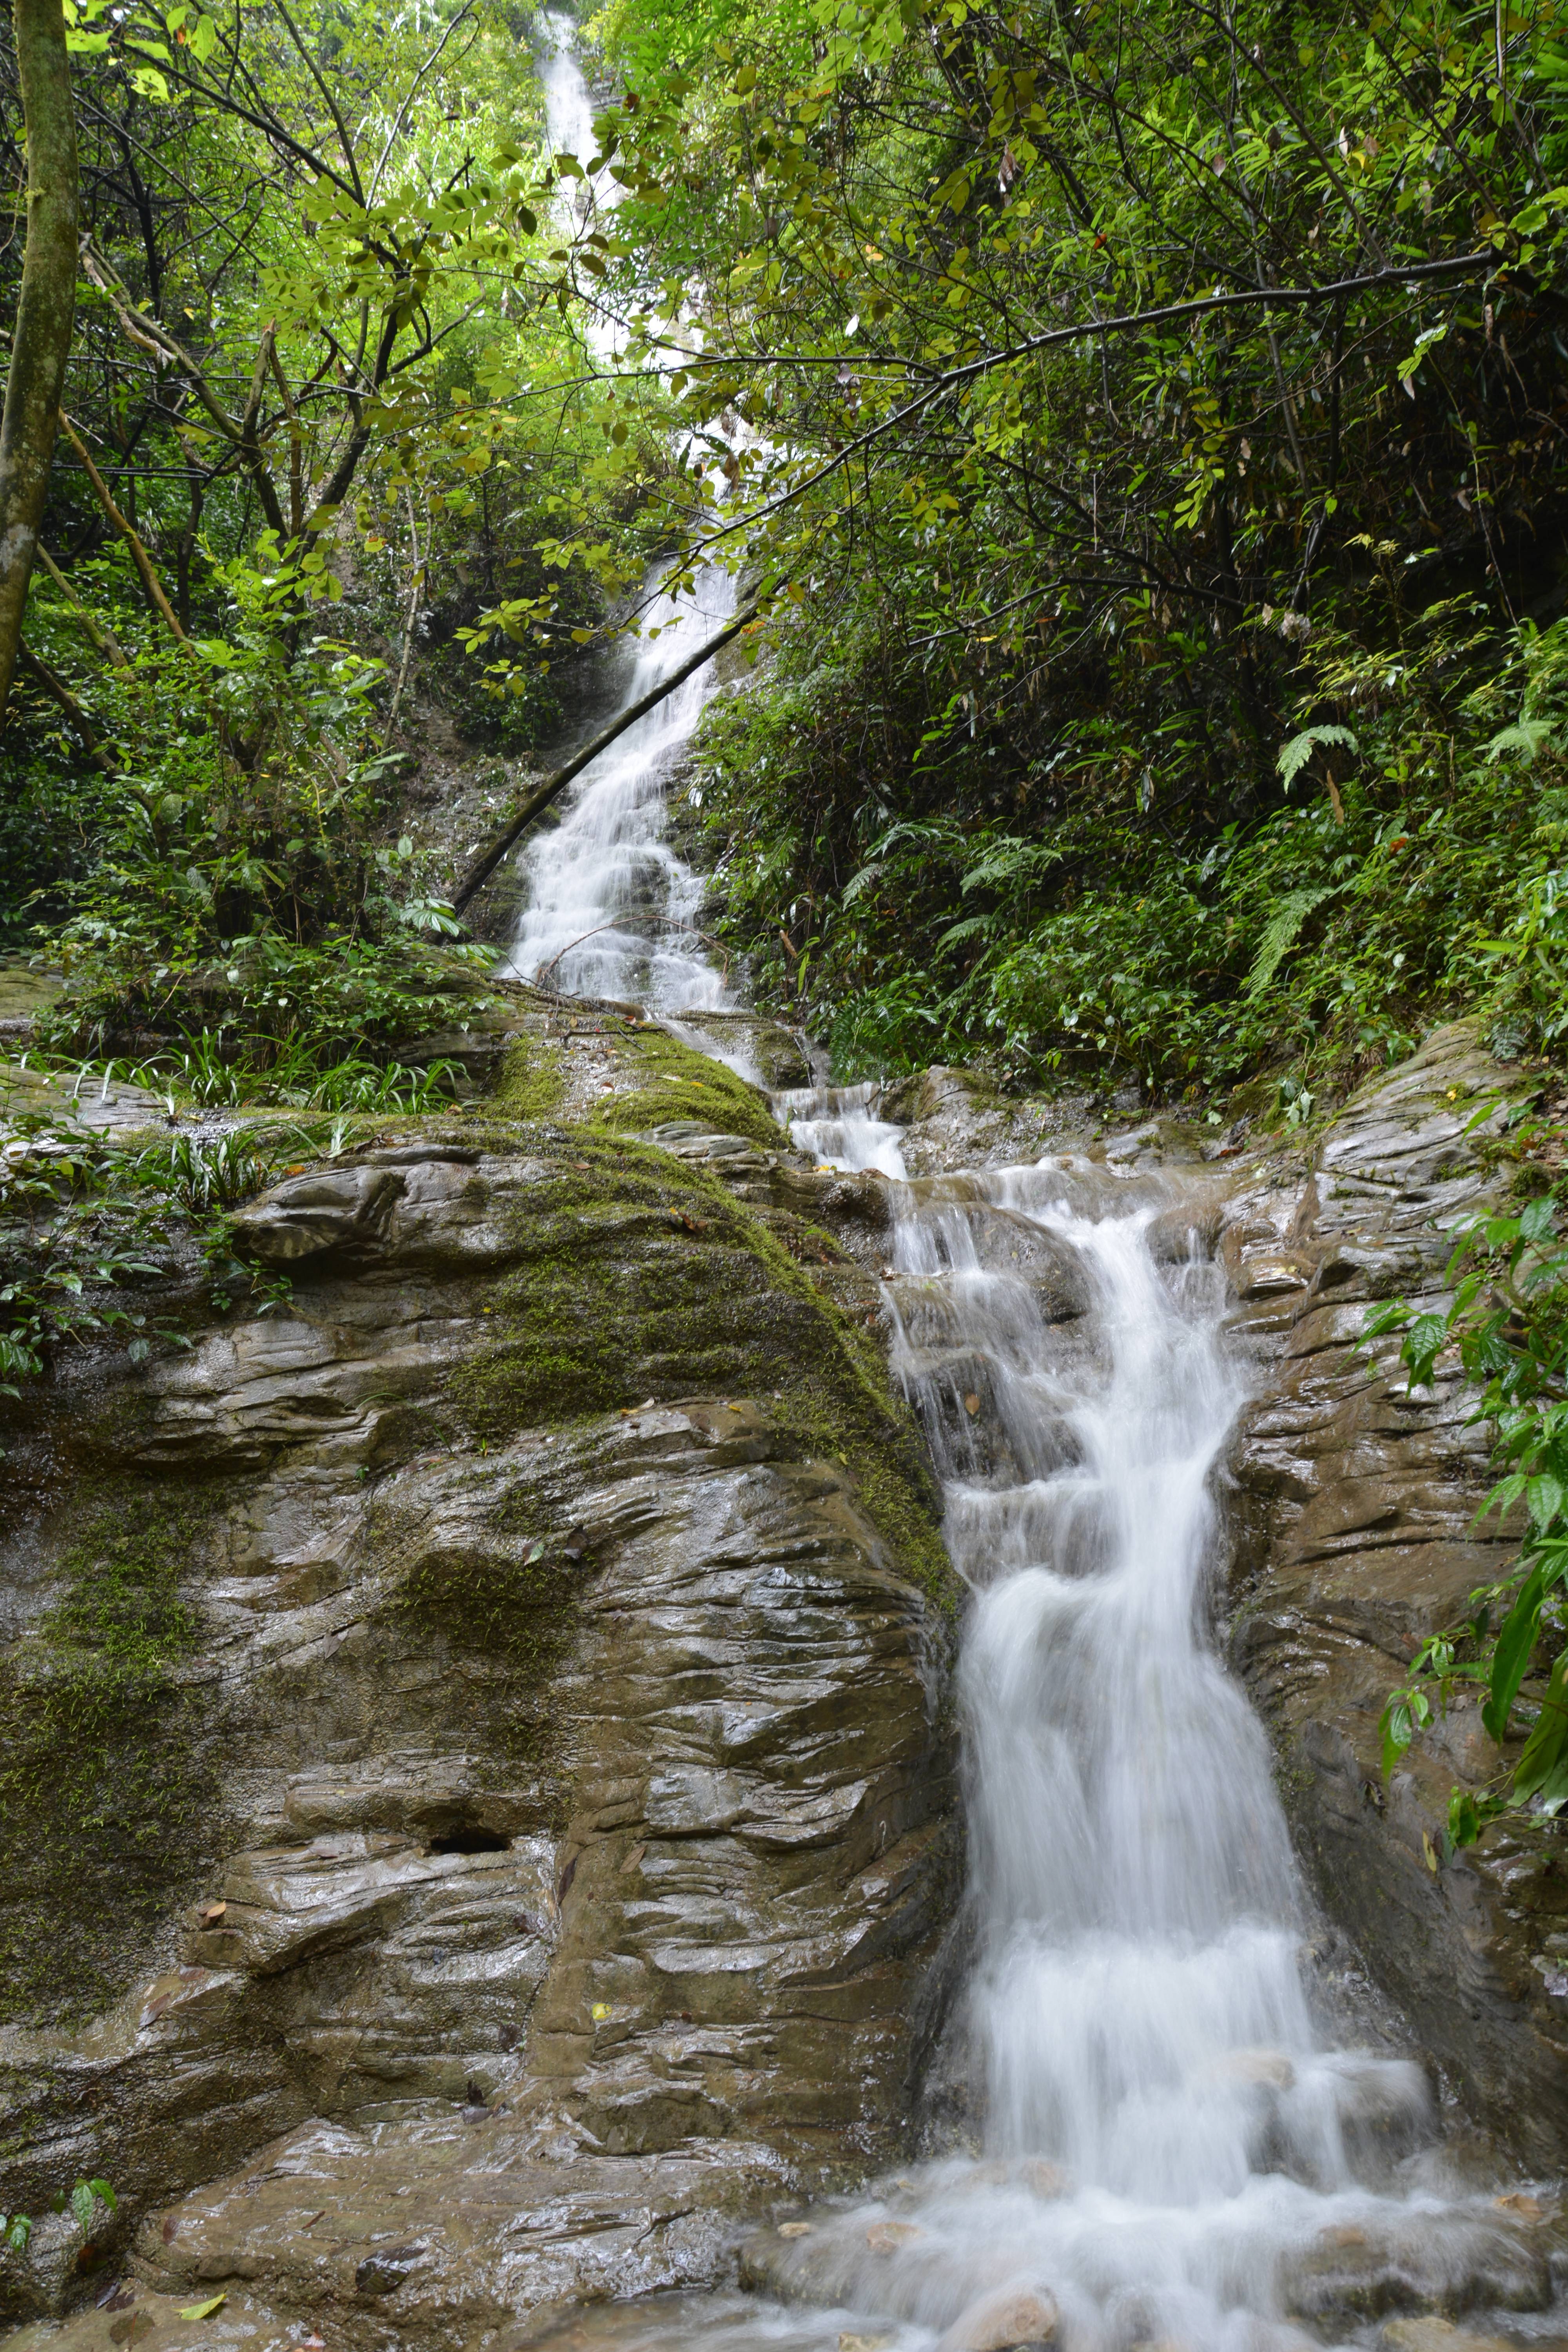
x=480 y=1819
x=486 y=1717
x=1355 y=1535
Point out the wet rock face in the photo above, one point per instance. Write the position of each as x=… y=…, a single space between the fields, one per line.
x=484 y=1822
x=543 y=1773
x=1353 y=1511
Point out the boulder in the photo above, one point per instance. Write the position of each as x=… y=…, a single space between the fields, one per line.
x=524 y=1846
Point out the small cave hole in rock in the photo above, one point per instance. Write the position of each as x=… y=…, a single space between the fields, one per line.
x=471 y=1841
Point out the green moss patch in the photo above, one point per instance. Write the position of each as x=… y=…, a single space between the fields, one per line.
x=640 y=1276
x=107 y=1778
x=516 y=1609
x=676 y=1082
x=531 y=1082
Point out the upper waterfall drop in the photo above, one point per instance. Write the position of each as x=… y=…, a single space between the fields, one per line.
x=611 y=907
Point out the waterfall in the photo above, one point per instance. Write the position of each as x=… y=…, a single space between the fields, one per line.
x=610 y=908
x=1158 y=2143
x=1166 y=2147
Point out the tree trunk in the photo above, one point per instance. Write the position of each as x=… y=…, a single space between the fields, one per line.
x=40 y=338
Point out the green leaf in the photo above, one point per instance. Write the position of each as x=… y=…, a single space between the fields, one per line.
x=1543 y=1767
x=1469 y=1816
x=204 y=2310
x=1280 y=934
x=1423 y=343
x=1544 y=1496
x=1525 y=738
x=1535 y=1223
x=1295 y=754
x=1512 y=1657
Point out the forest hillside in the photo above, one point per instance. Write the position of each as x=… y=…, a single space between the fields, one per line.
x=1141 y=433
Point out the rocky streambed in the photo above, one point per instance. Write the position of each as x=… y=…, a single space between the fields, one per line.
x=483 y=1820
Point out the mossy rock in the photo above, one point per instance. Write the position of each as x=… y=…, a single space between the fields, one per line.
x=640 y=1276
x=111 y=1760
x=532 y=1083
x=676 y=1082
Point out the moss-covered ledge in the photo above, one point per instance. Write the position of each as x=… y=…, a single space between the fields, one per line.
x=636 y=1275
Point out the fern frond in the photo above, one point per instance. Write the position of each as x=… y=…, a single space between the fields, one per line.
x=1295 y=755
x=1279 y=935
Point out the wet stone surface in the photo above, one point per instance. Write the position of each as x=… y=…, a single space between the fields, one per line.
x=566 y=1869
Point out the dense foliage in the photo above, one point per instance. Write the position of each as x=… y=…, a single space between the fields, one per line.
x=1506 y=1326
x=1059 y=594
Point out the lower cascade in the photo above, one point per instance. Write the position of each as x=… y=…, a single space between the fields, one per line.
x=1175 y=2152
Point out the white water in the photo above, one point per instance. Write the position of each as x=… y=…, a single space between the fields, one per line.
x=1170 y=2152
x=835 y=1124
x=611 y=908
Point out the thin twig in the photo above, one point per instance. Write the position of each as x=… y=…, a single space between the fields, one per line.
x=138 y=554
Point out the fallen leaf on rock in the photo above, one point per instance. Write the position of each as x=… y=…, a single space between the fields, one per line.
x=1529 y=2209
x=794 y=2228
x=204 y=2310
x=213 y=1911
x=132 y=2328
x=972 y=1403
x=886 y=2237
x=635 y=1856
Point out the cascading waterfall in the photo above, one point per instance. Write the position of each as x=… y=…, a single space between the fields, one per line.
x=835 y=1124
x=610 y=908
x=1172 y=2155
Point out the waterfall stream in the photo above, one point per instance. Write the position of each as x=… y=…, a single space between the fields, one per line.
x=610 y=907
x=1158 y=2144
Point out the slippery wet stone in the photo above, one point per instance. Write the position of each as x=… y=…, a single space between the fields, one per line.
x=595 y=1769
x=1354 y=1535
x=1012 y=2321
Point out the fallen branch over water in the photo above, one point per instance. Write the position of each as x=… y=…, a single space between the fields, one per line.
x=490 y=859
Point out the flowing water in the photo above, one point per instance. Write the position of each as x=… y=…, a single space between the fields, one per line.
x=1156 y=2142
x=836 y=1126
x=611 y=907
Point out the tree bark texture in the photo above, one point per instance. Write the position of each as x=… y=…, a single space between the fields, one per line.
x=41 y=334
